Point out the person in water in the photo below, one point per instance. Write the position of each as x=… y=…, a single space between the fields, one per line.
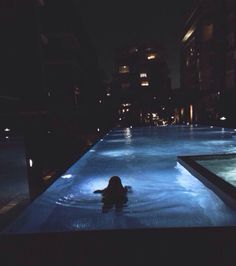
x=114 y=194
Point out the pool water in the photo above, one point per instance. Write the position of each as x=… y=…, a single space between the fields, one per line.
x=225 y=168
x=164 y=194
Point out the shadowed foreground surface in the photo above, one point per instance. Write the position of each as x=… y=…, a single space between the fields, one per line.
x=192 y=246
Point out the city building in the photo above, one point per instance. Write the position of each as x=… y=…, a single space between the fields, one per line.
x=141 y=82
x=50 y=86
x=208 y=61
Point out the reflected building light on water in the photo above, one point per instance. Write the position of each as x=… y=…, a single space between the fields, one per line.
x=128 y=133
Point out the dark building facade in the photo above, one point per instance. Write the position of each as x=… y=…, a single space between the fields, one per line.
x=50 y=86
x=208 y=61
x=141 y=81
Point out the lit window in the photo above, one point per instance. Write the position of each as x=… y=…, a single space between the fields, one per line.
x=126 y=104
x=188 y=34
x=31 y=163
x=144 y=83
x=124 y=69
x=143 y=75
x=152 y=56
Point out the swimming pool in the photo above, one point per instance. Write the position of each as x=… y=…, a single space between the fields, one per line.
x=222 y=166
x=164 y=193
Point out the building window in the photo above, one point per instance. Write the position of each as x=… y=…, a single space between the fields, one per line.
x=143 y=75
x=151 y=56
x=144 y=83
x=123 y=69
x=188 y=34
x=207 y=33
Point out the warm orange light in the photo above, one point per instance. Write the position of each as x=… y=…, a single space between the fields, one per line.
x=124 y=69
x=191 y=113
x=151 y=56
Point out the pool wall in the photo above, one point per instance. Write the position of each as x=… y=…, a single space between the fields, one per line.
x=223 y=189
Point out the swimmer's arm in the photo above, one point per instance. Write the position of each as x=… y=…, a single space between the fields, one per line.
x=99 y=191
x=128 y=188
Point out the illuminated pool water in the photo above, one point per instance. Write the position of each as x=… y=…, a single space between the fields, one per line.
x=164 y=193
x=225 y=168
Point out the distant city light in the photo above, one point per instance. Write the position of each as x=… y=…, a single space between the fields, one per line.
x=108 y=94
x=145 y=84
x=172 y=117
x=100 y=101
x=143 y=75
x=151 y=57
x=211 y=126
x=30 y=162
x=98 y=129
x=154 y=98
x=7 y=137
x=163 y=108
x=170 y=98
x=131 y=126
x=191 y=113
x=120 y=119
x=124 y=69
x=126 y=104
x=49 y=94
x=7 y=129
x=188 y=34
x=223 y=118
x=218 y=93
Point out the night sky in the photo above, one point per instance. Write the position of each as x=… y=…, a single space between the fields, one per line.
x=112 y=24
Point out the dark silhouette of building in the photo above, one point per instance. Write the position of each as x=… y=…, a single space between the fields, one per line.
x=50 y=83
x=208 y=60
x=141 y=82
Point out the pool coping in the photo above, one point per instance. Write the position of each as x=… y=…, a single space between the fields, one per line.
x=223 y=189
